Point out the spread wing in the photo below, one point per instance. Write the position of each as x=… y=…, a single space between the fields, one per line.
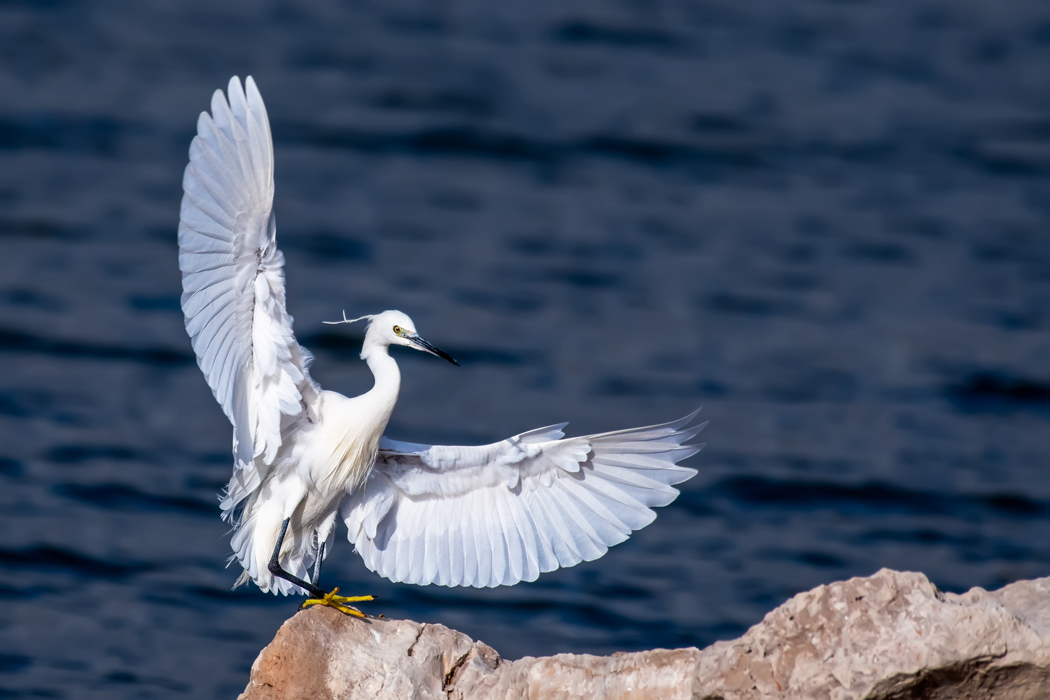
x=233 y=284
x=503 y=513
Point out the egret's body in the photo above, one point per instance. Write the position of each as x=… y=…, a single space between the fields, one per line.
x=305 y=458
x=328 y=458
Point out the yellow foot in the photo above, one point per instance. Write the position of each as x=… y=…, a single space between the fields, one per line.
x=336 y=601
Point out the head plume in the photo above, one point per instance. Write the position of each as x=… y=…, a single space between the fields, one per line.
x=366 y=317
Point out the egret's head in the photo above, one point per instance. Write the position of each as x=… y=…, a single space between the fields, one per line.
x=395 y=328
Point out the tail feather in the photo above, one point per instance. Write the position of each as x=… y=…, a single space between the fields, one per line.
x=253 y=543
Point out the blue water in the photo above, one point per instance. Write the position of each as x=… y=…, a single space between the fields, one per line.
x=826 y=222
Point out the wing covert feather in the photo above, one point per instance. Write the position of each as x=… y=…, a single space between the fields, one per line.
x=498 y=514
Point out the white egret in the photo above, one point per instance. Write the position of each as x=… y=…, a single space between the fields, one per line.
x=454 y=516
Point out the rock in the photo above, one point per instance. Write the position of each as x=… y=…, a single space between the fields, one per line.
x=891 y=636
x=322 y=653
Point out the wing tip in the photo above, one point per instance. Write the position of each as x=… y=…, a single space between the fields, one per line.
x=686 y=420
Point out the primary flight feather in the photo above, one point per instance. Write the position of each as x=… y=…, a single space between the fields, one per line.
x=485 y=515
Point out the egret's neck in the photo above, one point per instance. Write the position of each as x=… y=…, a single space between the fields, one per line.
x=387 y=379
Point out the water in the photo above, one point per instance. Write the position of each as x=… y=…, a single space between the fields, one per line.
x=826 y=222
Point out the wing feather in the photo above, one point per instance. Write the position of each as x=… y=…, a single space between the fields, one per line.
x=233 y=284
x=417 y=548
x=561 y=540
x=455 y=551
x=470 y=546
x=499 y=514
x=218 y=349
x=501 y=535
x=482 y=546
x=541 y=529
x=581 y=527
x=528 y=569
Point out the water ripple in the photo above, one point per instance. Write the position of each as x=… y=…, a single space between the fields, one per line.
x=118 y=497
x=17 y=341
x=59 y=559
x=872 y=496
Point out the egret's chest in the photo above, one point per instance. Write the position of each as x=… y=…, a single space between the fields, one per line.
x=344 y=443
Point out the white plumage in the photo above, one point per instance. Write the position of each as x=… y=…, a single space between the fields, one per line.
x=454 y=516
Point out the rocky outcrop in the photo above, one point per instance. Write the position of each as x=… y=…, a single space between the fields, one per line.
x=890 y=636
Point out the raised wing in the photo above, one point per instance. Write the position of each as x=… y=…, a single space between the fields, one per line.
x=233 y=284
x=499 y=514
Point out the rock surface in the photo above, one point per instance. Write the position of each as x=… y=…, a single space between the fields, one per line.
x=889 y=636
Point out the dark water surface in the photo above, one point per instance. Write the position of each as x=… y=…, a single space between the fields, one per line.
x=826 y=222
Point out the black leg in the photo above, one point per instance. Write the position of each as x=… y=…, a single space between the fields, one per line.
x=317 y=563
x=276 y=570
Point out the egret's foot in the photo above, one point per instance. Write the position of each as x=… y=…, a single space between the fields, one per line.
x=337 y=601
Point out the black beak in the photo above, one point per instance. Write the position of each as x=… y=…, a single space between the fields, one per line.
x=424 y=345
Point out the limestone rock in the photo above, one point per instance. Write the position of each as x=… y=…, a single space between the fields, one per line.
x=322 y=653
x=891 y=636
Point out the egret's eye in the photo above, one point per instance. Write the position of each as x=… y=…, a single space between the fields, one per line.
x=397 y=329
